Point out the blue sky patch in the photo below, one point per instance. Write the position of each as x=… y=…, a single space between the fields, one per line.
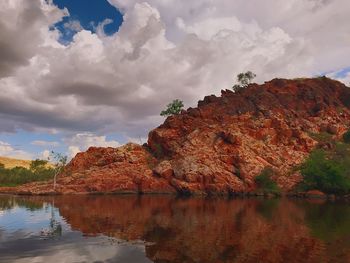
x=89 y=14
x=342 y=73
x=23 y=141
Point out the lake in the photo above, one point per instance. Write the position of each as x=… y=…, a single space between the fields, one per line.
x=168 y=229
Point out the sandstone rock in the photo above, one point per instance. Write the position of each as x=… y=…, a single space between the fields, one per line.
x=334 y=129
x=164 y=170
x=230 y=138
x=218 y=147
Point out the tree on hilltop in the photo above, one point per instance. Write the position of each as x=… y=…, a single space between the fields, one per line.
x=243 y=79
x=173 y=108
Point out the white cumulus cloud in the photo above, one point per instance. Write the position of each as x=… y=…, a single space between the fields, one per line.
x=45 y=155
x=165 y=49
x=82 y=141
x=73 y=25
x=8 y=150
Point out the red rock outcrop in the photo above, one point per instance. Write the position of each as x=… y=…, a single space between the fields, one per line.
x=220 y=146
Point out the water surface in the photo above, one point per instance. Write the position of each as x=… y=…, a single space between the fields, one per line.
x=167 y=229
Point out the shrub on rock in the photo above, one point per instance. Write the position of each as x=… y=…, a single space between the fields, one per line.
x=346 y=137
x=264 y=181
x=326 y=172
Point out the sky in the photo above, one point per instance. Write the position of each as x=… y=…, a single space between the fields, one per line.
x=75 y=74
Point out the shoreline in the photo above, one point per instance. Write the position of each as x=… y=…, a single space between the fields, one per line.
x=247 y=195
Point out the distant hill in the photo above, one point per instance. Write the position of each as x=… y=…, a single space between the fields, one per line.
x=11 y=163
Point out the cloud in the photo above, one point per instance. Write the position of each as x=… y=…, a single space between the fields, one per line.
x=45 y=155
x=45 y=143
x=73 y=25
x=101 y=26
x=346 y=79
x=164 y=50
x=73 y=150
x=22 y=24
x=82 y=141
x=8 y=150
x=139 y=140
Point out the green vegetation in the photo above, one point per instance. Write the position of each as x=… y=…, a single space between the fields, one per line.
x=173 y=108
x=346 y=137
x=151 y=161
x=328 y=171
x=268 y=208
x=265 y=183
x=238 y=173
x=243 y=79
x=322 y=137
x=158 y=151
x=39 y=171
x=327 y=168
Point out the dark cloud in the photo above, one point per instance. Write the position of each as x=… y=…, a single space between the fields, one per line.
x=19 y=35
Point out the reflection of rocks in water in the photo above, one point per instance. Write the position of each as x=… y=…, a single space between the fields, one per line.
x=330 y=222
x=327 y=221
x=198 y=230
x=206 y=230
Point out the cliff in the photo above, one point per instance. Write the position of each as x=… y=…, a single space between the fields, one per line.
x=220 y=146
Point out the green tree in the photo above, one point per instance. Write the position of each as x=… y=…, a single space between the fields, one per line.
x=60 y=162
x=173 y=108
x=243 y=79
x=38 y=165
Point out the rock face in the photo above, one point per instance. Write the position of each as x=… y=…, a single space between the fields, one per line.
x=220 y=146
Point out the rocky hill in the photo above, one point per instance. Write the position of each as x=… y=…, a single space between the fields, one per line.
x=11 y=162
x=220 y=146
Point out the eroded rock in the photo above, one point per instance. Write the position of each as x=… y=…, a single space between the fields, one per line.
x=218 y=147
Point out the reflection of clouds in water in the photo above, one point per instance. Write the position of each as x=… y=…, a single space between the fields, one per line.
x=21 y=237
x=21 y=219
x=2 y=234
x=21 y=222
x=72 y=248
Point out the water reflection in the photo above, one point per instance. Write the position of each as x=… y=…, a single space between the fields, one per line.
x=166 y=229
